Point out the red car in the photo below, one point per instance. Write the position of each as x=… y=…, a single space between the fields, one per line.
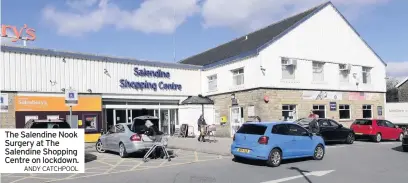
x=377 y=129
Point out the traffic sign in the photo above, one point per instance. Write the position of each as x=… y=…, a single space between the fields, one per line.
x=71 y=97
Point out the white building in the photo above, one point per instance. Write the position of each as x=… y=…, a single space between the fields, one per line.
x=312 y=61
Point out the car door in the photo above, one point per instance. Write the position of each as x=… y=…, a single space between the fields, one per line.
x=303 y=142
x=383 y=129
x=284 y=140
x=326 y=130
x=108 y=138
x=392 y=130
x=340 y=133
x=115 y=138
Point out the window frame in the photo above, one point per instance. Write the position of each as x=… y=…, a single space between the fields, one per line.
x=236 y=73
x=324 y=109
x=289 y=69
x=343 y=73
x=371 y=110
x=349 y=111
x=315 y=72
x=211 y=80
x=366 y=75
x=299 y=127
x=294 y=117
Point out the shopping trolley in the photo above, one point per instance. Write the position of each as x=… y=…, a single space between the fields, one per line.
x=210 y=133
x=161 y=143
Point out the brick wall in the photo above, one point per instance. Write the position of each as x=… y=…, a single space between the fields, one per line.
x=8 y=119
x=403 y=92
x=272 y=110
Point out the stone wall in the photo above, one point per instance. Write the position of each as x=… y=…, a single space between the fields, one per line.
x=403 y=92
x=272 y=110
x=8 y=119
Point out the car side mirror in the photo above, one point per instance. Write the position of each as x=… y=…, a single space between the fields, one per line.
x=340 y=126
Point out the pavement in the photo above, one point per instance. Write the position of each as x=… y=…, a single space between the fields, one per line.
x=361 y=162
x=219 y=146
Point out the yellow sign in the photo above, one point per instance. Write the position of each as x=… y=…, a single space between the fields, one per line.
x=224 y=119
x=79 y=122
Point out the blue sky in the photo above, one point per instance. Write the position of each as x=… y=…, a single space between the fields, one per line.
x=146 y=29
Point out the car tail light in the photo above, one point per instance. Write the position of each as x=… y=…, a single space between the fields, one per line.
x=263 y=140
x=135 y=137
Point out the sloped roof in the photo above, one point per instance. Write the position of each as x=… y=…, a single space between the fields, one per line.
x=249 y=42
x=401 y=83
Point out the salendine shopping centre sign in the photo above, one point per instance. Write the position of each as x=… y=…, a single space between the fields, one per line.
x=140 y=85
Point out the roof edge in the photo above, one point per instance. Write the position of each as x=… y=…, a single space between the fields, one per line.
x=319 y=8
x=78 y=55
x=401 y=83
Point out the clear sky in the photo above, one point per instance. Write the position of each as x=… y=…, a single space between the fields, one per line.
x=146 y=29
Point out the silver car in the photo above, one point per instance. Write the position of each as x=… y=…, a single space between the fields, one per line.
x=130 y=138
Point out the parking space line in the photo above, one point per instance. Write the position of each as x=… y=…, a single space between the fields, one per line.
x=134 y=167
x=123 y=171
x=164 y=162
x=18 y=176
x=19 y=179
x=104 y=163
x=114 y=166
x=195 y=156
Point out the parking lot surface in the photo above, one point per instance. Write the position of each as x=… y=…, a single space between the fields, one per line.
x=361 y=162
x=102 y=164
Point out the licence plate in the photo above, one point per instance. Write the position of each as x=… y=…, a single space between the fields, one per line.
x=243 y=150
x=359 y=133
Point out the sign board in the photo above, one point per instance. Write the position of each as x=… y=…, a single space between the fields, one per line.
x=22 y=33
x=333 y=106
x=4 y=102
x=397 y=113
x=71 y=97
x=379 y=110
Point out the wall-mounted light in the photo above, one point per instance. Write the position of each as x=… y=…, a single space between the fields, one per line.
x=89 y=90
x=233 y=96
x=105 y=71
x=63 y=60
x=63 y=89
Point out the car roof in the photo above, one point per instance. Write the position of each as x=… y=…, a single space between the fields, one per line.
x=269 y=123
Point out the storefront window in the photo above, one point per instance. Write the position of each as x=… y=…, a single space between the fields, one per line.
x=90 y=123
x=320 y=110
x=289 y=112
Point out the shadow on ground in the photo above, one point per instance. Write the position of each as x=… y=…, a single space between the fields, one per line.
x=90 y=157
x=263 y=163
x=302 y=172
x=399 y=149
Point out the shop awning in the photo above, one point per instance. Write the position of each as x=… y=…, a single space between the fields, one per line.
x=197 y=100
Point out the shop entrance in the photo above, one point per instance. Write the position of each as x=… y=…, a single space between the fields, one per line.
x=125 y=112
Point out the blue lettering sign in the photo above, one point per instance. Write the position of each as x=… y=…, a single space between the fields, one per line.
x=124 y=83
x=1 y=100
x=71 y=95
x=151 y=73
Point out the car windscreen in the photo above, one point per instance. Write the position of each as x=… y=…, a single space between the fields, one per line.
x=50 y=125
x=363 y=122
x=252 y=129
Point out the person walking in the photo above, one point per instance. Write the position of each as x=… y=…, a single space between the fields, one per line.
x=201 y=128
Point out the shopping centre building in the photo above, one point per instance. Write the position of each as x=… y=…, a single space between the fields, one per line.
x=313 y=61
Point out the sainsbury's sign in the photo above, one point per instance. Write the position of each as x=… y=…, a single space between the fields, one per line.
x=23 y=33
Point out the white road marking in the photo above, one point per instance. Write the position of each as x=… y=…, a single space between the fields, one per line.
x=315 y=173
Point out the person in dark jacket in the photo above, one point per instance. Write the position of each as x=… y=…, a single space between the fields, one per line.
x=314 y=126
x=201 y=127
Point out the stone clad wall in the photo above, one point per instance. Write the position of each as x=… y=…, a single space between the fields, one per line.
x=272 y=110
x=8 y=119
x=403 y=92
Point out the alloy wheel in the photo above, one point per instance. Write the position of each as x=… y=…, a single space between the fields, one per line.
x=378 y=137
x=319 y=152
x=401 y=137
x=276 y=158
x=121 y=150
x=99 y=147
x=350 y=138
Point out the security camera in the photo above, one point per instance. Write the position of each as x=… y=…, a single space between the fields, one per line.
x=262 y=68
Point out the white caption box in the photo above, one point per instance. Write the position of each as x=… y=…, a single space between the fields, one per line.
x=42 y=151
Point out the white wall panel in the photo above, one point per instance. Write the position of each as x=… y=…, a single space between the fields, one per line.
x=33 y=73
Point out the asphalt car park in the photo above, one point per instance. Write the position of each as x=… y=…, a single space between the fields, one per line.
x=100 y=164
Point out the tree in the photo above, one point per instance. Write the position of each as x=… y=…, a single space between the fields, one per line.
x=392 y=91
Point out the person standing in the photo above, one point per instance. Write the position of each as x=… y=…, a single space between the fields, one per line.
x=313 y=115
x=201 y=128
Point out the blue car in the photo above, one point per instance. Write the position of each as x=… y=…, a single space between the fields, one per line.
x=276 y=141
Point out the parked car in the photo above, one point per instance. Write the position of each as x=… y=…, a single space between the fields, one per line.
x=377 y=130
x=330 y=130
x=47 y=123
x=405 y=142
x=130 y=138
x=275 y=141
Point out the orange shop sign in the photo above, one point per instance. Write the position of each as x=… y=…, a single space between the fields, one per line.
x=40 y=103
x=23 y=33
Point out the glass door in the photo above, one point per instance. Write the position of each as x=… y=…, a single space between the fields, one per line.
x=164 y=121
x=235 y=119
x=173 y=121
x=120 y=116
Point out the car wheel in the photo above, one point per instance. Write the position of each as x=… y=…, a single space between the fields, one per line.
x=99 y=147
x=401 y=136
x=275 y=158
x=378 y=137
x=405 y=148
x=122 y=151
x=350 y=138
x=318 y=152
